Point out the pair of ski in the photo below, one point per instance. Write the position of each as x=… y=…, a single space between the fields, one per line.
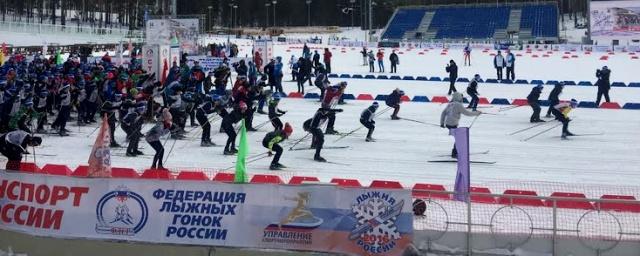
x=456 y=160
x=549 y=129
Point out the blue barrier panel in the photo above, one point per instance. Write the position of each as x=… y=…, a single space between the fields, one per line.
x=420 y=99
x=491 y=80
x=333 y=75
x=382 y=77
x=435 y=78
x=311 y=96
x=506 y=81
x=462 y=79
x=634 y=84
x=422 y=78
x=537 y=82
x=552 y=82
x=345 y=76
x=521 y=81
x=282 y=94
x=369 y=77
x=445 y=79
x=631 y=105
x=348 y=97
x=569 y=83
x=357 y=76
x=587 y=104
x=408 y=78
x=618 y=84
x=381 y=97
x=585 y=83
x=544 y=103
x=500 y=101
x=395 y=78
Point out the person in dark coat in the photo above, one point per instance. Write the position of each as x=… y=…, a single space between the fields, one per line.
x=393 y=58
x=366 y=119
x=554 y=97
x=227 y=124
x=472 y=90
x=603 y=84
x=271 y=141
x=14 y=144
x=534 y=102
x=393 y=101
x=452 y=69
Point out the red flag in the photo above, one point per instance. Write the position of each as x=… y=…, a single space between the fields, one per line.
x=165 y=67
x=100 y=158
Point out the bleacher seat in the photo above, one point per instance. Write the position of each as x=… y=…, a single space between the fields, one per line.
x=385 y=184
x=81 y=171
x=520 y=200
x=632 y=206
x=571 y=204
x=191 y=175
x=295 y=180
x=266 y=179
x=485 y=199
x=224 y=177
x=404 y=20
x=420 y=190
x=119 y=172
x=542 y=19
x=479 y=22
x=56 y=169
x=346 y=182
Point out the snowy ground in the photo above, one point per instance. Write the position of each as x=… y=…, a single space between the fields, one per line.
x=403 y=147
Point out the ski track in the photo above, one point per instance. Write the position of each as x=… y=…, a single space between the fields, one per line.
x=403 y=147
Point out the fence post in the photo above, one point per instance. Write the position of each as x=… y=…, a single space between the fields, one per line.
x=469 y=248
x=555 y=228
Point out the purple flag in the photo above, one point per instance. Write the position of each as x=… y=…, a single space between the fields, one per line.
x=463 y=177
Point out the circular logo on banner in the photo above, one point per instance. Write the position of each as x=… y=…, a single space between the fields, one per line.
x=376 y=213
x=121 y=212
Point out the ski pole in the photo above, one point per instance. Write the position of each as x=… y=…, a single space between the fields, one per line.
x=474 y=121
x=420 y=122
x=265 y=122
x=248 y=162
x=546 y=130
x=298 y=141
x=170 y=151
x=360 y=127
x=509 y=108
x=528 y=128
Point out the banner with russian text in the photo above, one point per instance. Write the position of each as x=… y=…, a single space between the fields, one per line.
x=354 y=221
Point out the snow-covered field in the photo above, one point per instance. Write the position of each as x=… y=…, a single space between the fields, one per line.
x=403 y=148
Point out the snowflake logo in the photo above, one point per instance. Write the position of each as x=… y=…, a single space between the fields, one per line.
x=376 y=224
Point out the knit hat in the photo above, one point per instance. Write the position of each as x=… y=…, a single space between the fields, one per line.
x=375 y=104
x=574 y=103
x=457 y=97
x=288 y=130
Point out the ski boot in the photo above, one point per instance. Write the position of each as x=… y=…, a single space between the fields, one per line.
x=369 y=139
x=274 y=167
x=331 y=131
x=395 y=117
x=114 y=144
x=228 y=153
x=319 y=159
x=138 y=152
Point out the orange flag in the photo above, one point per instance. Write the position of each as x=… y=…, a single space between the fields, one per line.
x=100 y=158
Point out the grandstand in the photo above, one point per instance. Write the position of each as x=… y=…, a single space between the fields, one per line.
x=519 y=21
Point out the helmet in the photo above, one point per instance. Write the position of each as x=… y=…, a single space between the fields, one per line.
x=242 y=106
x=401 y=92
x=375 y=104
x=343 y=83
x=216 y=97
x=574 y=103
x=288 y=130
x=477 y=77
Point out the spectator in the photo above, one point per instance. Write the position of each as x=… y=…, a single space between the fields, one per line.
x=393 y=58
x=327 y=60
x=498 y=63
x=467 y=54
x=511 y=65
x=603 y=84
x=364 y=56
x=452 y=69
x=372 y=59
x=380 y=56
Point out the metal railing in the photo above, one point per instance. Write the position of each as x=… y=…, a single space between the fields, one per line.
x=553 y=225
x=38 y=28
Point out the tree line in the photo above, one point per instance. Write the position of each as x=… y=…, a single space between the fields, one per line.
x=221 y=13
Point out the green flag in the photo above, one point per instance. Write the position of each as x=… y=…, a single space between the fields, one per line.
x=58 y=58
x=243 y=151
